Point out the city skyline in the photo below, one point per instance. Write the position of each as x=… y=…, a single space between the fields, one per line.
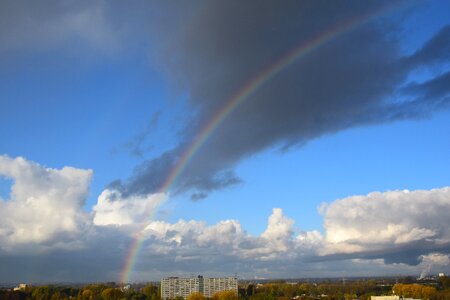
x=277 y=140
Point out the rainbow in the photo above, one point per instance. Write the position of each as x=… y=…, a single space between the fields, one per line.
x=244 y=93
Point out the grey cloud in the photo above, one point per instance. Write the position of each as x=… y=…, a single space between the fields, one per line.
x=150 y=175
x=53 y=25
x=138 y=145
x=435 y=50
x=101 y=258
x=211 y=49
x=409 y=254
x=198 y=196
x=221 y=46
x=437 y=89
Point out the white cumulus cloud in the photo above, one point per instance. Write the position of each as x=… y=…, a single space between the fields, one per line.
x=383 y=220
x=113 y=208
x=43 y=202
x=43 y=221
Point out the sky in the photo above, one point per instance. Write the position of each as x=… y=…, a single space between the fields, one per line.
x=265 y=139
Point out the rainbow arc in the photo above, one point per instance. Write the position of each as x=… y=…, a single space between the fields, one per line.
x=239 y=97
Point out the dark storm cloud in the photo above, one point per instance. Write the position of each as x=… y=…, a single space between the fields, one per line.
x=144 y=181
x=437 y=89
x=349 y=81
x=435 y=50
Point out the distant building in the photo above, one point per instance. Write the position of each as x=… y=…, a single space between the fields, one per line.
x=125 y=288
x=390 y=298
x=441 y=274
x=21 y=287
x=173 y=287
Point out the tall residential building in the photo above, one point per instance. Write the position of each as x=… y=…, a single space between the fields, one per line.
x=173 y=287
x=214 y=285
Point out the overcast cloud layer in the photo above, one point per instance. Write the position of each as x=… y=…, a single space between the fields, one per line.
x=45 y=235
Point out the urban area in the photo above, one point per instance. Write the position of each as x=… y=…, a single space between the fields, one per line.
x=231 y=288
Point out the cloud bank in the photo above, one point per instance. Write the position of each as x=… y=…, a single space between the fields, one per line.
x=45 y=235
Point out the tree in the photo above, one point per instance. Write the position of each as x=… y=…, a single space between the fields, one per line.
x=445 y=281
x=138 y=296
x=225 y=295
x=112 y=294
x=150 y=291
x=428 y=292
x=196 y=296
x=87 y=294
x=42 y=293
x=262 y=296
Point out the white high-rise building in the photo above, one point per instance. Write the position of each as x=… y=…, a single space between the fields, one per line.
x=173 y=287
x=214 y=285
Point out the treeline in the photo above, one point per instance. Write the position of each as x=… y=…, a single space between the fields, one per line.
x=327 y=290
x=333 y=290
x=362 y=290
x=100 y=292
x=425 y=292
x=89 y=292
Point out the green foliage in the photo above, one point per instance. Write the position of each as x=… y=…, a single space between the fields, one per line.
x=332 y=290
x=415 y=291
x=42 y=293
x=225 y=295
x=137 y=296
x=87 y=294
x=262 y=296
x=196 y=296
x=112 y=294
x=150 y=291
x=445 y=282
x=339 y=290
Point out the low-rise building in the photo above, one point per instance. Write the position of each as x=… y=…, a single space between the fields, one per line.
x=21 y=287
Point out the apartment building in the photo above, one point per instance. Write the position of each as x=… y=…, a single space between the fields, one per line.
x=214 y=285
x=172 y=287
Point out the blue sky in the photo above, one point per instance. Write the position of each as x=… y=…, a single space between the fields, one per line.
x=122 y=93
